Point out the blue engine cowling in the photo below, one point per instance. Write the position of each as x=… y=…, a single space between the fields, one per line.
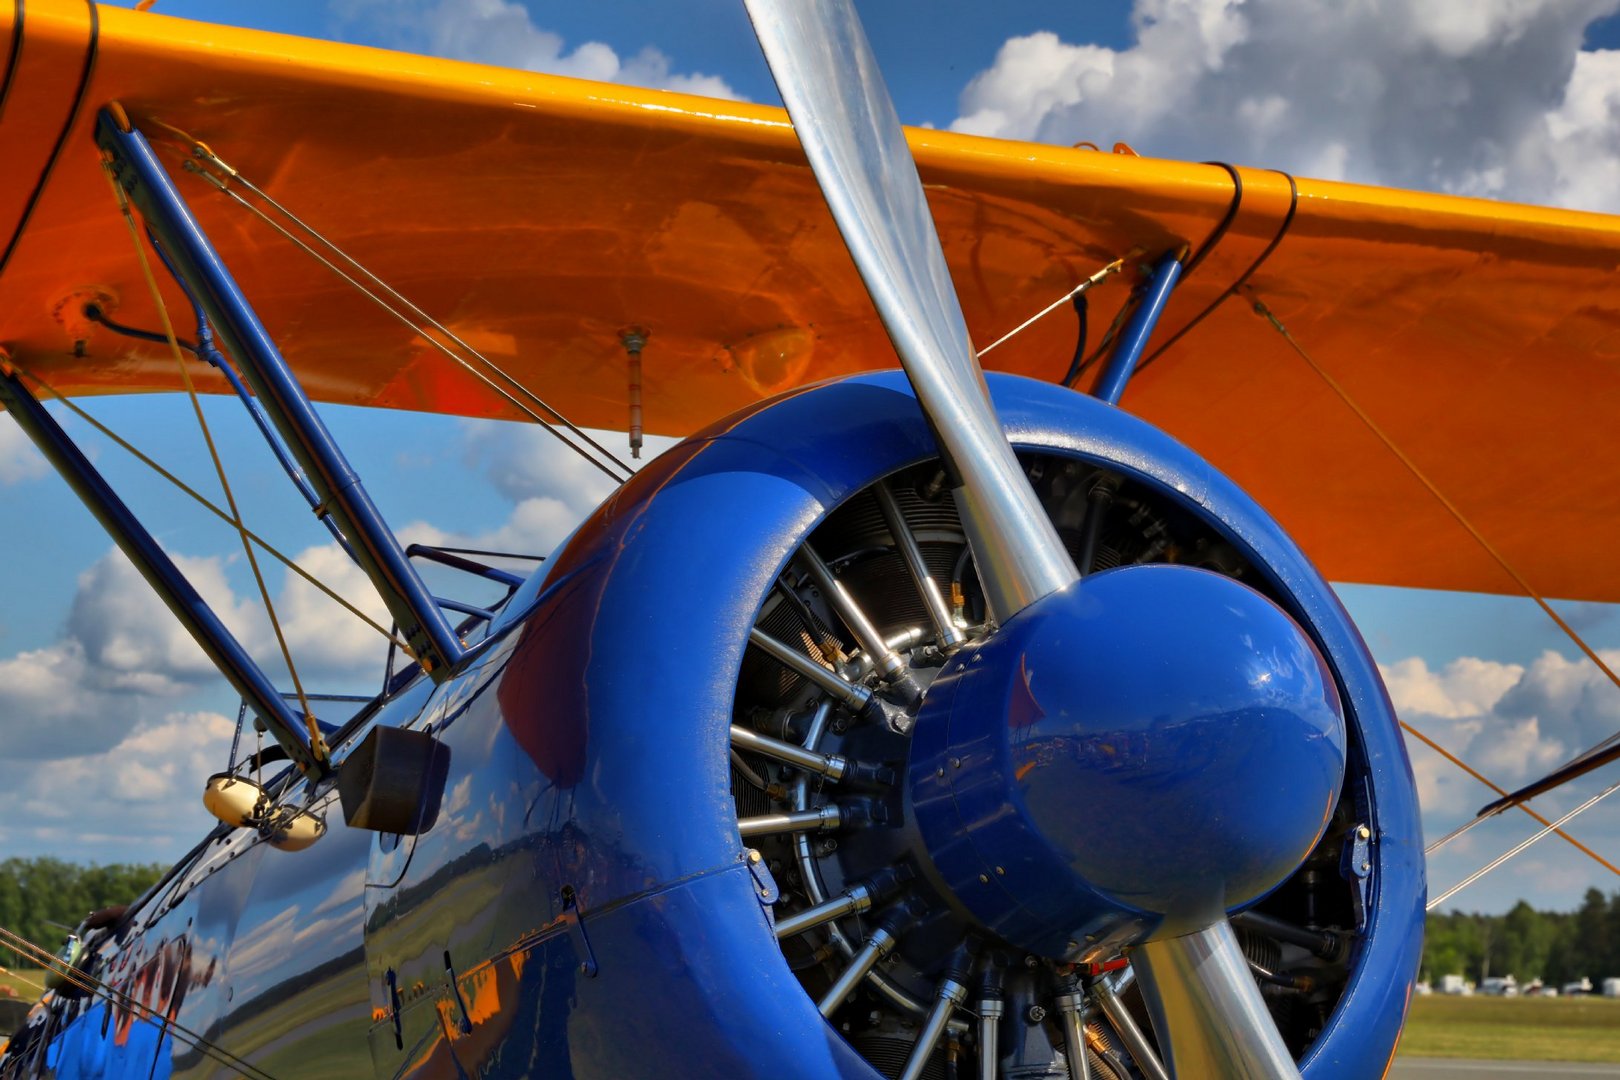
x=614 y=709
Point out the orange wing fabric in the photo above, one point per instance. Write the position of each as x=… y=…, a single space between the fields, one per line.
x=538 y=217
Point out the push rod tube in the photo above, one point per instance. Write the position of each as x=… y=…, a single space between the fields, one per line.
x=176 y=592
x=1134 y=338
x=137 y=170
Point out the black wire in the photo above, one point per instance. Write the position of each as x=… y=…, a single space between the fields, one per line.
x=11 y=59
x=1216 y=235
x=1243 y=278
x=1107 y=338
x=91 y=51
x=95 y=314
x=1220 y=230
x=1082 y=308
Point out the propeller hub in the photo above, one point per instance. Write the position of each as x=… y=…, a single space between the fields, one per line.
x=1130 y=757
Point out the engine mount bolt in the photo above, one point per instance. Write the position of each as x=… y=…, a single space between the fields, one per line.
x=1036 y=1013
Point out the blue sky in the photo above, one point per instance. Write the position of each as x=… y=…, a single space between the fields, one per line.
x=108 y=716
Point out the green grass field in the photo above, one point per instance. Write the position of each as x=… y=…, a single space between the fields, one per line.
x=1522 y=1029
x=23 y=980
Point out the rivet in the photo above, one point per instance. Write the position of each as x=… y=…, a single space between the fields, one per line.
x=984 y=879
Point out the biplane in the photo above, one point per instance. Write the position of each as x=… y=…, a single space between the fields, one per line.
x=962 y=719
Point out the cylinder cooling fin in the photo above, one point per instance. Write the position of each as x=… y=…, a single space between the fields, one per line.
x=877 y=601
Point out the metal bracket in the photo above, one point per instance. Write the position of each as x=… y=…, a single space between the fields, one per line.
x=765 y=886
x=1355 y=865
x=574 y=918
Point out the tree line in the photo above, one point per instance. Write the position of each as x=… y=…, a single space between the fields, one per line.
x=1554 y=946
x=38 y=897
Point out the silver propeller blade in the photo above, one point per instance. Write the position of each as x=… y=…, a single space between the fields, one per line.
x=835 y=95
x=829 y=80
x=1207 y=1010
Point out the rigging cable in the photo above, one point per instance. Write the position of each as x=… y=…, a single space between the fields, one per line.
x=97 y=987
x=1505 y=856
x=1266 y=313
x=231 y=175
x=317 y=742
x=1471 y=822
x=203 y=501
x=1073 y=294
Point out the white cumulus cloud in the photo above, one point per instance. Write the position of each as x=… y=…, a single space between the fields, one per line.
x=503 y=33
x=138 y=797
x=1492 y=97
x=1512 y=722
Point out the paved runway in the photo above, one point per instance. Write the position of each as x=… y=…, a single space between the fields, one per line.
x=1416 y=1068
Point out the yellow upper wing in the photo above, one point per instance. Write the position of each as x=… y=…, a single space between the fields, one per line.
x=538 y=217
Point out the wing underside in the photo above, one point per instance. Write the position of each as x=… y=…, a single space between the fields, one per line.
x=539 y=217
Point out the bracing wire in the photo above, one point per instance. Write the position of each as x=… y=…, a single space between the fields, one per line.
x=1261 y=309
x=1471 y=822
x=205 y=503
x=317 y=743
x=607 y=461
x=1505 y=856
x=1079 y=290
x=1451 y=508
x=97 y=987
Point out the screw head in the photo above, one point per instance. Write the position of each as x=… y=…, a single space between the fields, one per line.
x=1036 y=1014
